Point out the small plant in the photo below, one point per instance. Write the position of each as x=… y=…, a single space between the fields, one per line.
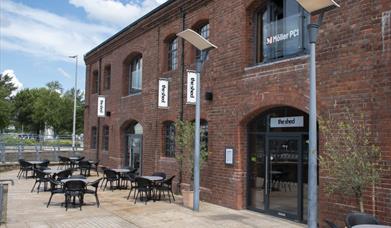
x=351 y=159
x=184 y=138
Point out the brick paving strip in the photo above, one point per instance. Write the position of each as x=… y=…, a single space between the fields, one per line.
x=27 y=209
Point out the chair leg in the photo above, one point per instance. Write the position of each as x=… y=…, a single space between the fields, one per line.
x=169 y=197
x=33 y=186
x=50 y=199
x=135 y=198
x=172 y=195
x=129 y=194
x=97 y=200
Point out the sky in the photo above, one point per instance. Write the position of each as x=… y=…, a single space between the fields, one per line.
x=38 y=36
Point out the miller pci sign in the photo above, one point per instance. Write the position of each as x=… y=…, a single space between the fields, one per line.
x=291 y=121
x=101 y=106
x=191 y=87
x=282 y=36
x=163 y=93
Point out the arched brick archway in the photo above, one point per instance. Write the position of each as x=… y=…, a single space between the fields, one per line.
x=132 y=144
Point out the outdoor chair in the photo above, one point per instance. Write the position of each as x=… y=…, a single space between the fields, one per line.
x=85 y=167
x=104 y=179
x=44 y=165
x=72 y=189
x=40 y=177
x=64 y=162
x=330 y=224
x=56 y=187
x=356 y=218
x=75 y=163
x=95 y=166
x=166 y=186
x=25 y=167
x=94 y=191
x=64 y=174
x=111 y=176
x=144 y=187
x=130 y=177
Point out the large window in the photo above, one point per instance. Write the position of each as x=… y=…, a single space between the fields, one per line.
x=93 y=138
x=204 y=32
x=280 y=30
x=135 y=75
x=107 y=77
x=173 y=54
x=105 y=138
x=169 y=139
x=95 y=81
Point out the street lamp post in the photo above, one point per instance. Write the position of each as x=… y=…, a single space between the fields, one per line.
x=204 y=46
x=74 y=104
x=314 y=7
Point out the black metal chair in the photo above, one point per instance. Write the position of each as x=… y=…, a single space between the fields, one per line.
x=94 y=191
x=40 y=177
x=85 y=168
x=25 y=167
x=95 y=166
x=44 y=165
x=74 y=188
x=131 y=177
x=64 y=174
x=104 y=179
x=330 y=224
x=110 y=176
x=144 y=187
x=356 y=218
x=64 y=162
x=166 y=186
x=56 y=187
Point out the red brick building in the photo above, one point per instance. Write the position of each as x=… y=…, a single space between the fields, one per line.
x=251 y=84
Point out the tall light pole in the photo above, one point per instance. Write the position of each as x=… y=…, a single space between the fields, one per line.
x=204 y=46
x=74 y=104
x=314 y=7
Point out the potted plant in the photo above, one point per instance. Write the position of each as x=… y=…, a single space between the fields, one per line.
x=184 y=139
x=351 y=160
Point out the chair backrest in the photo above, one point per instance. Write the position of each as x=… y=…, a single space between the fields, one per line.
x=160 y=174
x=45 y=163
x=54 y=183
x=39 y=174
x=74 y=185
x=357 y=218
x=25 y=163
x=81 y=158
x=169 y=181
x=143 y=183
x=85 y=164
x=95 y=183
x=110 y=174
x=64 y=174
x=330 y=224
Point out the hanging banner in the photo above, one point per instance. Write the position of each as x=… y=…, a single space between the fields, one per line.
x=101 y=106
x=163 y=93
x=292 y=121
x=191 y=87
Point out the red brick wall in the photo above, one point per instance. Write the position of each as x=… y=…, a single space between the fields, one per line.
x=354 y=71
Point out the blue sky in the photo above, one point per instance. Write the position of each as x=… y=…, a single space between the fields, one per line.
x=37 y=36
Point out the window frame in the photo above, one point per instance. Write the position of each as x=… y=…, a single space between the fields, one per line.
x=95 y=82
x=136 y=63
x=105 y=137
x=259 y=26
x=172 y=54
x=169 y=131
x=94 y=139
x=204 y=31
x=107 y=78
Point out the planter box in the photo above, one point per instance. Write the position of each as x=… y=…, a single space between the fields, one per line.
x=188 y=198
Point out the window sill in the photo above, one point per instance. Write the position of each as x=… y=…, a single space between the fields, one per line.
x=266 y=64
x=167 y=159
x=132 y=95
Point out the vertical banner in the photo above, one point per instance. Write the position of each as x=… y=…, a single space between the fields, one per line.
x=101 y=106
x=191 y=87
x=163 y=93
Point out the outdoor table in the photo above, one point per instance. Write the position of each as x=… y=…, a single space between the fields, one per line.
x=51 y=172
x=370 y=226
x=120 y=172
x=153 y=179
x=35 y=163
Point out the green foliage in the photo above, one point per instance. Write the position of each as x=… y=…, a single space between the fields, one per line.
x=6 y=88
x=351 y=159
x=184 y=138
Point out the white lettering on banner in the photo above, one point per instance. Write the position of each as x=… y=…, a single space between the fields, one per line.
x=282 y=36
x=101 y=106
x=163 y=93
x=291 y=121
x=191 y=87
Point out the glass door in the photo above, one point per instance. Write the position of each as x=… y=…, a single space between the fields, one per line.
x=283 y=169
x=134 y=152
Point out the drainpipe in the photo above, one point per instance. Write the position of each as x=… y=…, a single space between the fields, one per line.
x=183 y=15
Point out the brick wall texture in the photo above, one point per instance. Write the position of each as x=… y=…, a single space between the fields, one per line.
x=353 y=66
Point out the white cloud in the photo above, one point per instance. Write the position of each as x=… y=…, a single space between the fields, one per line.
x=63 y=73
x=45 y=34
x=114 y=12
x=14 y=80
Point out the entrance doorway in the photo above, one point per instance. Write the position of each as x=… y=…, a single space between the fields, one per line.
x=134 y=147
x=277 y=163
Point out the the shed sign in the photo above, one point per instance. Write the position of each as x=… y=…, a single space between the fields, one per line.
x=163 y=93
x=101 y=106
x=291 y=121
x=191 y=87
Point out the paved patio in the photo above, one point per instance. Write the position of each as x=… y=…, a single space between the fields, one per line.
x=27 y=209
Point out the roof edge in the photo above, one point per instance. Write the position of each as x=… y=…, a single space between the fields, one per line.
x=168 y=2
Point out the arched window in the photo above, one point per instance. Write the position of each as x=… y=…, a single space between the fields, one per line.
x=169 y=139
x=105 y=139
x=95 y=82
x=135 y=75
x=204 y=32
x=172 y=54
x=281 y=30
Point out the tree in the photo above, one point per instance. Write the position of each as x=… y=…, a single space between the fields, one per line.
x=6 y=88
x=350 y=159
x=24 y=108
x=55 y=86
